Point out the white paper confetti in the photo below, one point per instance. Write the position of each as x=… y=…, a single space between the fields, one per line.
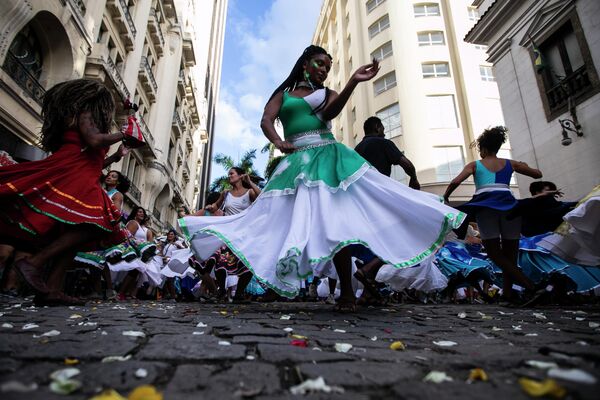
x=198 y=333
x=593 y=324
x=496 y=329
x=374 y=339
x=461 y=315
x=134 y=333
x=313 y=386
x=51 y=333
x=30 y=326
x=539 y=315
x=573 y=375
x=116 y=358
x=541 y=364
x=7 y=325
x=224 y=343
x=201 y=325
x=64 y=374
x=445 y=343
x=343 y=347
x=288 y=329
x=141 y=373
x=19 y=387
x=286 y=317
x=517 y=327
x=437 y=377
x=339 y=330
x=249 y=357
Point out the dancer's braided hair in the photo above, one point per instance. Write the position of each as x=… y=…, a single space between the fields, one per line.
x=66 y=101
x=297 y=73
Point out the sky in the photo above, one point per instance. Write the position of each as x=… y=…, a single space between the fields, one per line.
x=263 y=40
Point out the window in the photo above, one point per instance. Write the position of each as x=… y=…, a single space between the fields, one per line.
x=372 y=4
x=427 y=10
x=398 y=174
x=380 y=25
x=383 y=52
x=486 y=73
x=473 y=14
x=431 y=38
x=390 y=118
x=481 y=47
x=567 y=69
x=441 y=112
x=449 y=162
x=384 y=83
x=435 y=70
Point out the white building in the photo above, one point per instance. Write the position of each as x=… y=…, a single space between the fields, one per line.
x=434 y=92
x=164 y=55
x=537 y=105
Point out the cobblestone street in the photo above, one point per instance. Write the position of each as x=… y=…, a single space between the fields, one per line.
x=190 y=351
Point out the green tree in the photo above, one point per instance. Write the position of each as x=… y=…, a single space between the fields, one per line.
x=246 y=163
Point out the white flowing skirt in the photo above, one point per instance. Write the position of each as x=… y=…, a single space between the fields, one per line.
x=283 y=239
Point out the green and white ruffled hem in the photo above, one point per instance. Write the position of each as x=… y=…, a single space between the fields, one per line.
x=287 y=236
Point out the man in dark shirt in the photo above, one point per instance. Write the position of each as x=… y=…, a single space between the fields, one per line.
x=382 y=153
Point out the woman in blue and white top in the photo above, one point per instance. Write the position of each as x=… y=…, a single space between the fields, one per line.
x=492 y=202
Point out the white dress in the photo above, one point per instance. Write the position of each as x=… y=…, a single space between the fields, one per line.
x=321 y=198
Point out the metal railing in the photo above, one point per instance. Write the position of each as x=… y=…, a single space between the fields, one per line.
x=146 y=65
x=135 y=192
x=146 y=131
x=158 y=28
x=572 y=85
x=128 y=17
x=23 y=77
x=110 y=66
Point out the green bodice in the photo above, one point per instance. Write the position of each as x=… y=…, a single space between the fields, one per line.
x=296 y=114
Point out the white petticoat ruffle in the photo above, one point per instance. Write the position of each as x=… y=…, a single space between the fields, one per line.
x=285 y=239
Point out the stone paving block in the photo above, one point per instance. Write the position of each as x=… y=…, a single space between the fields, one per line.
x=118 y=375
x=261 y=339
x=354 y=373
x=82 y=348
x=278 y=353
x=187 y=347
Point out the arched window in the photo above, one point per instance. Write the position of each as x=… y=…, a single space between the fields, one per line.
x=27 y=50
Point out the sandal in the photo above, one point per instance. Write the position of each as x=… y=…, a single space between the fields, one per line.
x=368 y=283
x=345 y=305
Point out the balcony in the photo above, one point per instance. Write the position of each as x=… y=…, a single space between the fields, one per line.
x=189 y=57
x=189 y=144
x=147 y=151
x=122 y=18
x=147 y=80
x=134 y=193
x=203 y=135
x=181 y=84
x=186 y=172
x=574 y=85
x=23 y=77
x=177 y=124
x=180 y=156
x=155 y=31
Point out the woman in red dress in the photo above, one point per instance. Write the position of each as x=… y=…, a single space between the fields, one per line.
x=57 y=205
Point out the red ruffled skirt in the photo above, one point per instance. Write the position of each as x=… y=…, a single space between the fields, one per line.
x=38 y=199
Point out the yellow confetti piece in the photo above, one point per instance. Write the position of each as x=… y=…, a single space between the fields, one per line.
x=298 y=337
x=71 y=361
x=108 y=394
x=398 y=345
x=223 y=312
x=75 y=316
x=145 y=392
x=478 y=374
x=547 y=387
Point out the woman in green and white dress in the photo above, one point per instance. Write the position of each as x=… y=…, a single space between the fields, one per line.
x=322 y=197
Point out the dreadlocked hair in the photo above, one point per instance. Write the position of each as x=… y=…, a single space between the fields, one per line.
x=65 y=101
x=297 y=74
x=491 y=139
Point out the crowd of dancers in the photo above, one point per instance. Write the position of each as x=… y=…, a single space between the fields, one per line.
x=329 y=222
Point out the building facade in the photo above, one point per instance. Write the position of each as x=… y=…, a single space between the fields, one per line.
x=144 y=50
x=434 y=92
x=551 y=102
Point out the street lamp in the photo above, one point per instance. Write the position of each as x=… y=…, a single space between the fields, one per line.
x=571 y=125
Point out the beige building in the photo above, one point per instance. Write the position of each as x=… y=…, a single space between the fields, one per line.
x=543 y=107
x=155 y=52
x=434 y=92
